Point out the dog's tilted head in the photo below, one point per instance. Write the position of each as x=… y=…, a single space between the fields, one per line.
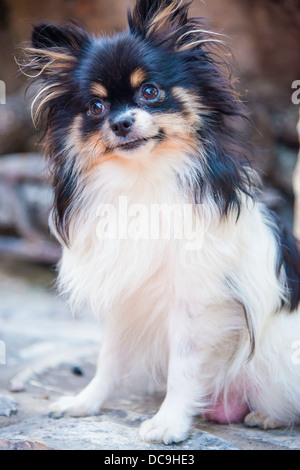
x=151 y=90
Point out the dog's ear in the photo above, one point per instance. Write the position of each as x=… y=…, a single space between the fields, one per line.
x=49 y=36
x=50 y=60
x=167 y=22
x=153 y=17
x=54 y=49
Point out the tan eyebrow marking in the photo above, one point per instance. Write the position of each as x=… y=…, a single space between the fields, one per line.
x=99 y=90
x=137 y=78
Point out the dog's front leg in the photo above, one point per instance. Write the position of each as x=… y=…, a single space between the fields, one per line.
x=91 y=399
x=173 y=420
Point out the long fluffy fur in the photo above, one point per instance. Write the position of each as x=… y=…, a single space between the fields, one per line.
x=212 y=323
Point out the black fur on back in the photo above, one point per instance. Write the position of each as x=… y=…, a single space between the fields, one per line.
x=289 y=260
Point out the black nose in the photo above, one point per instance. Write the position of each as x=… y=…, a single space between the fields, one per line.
x=123 y=127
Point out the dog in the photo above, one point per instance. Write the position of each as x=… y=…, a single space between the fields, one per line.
x=147 y=118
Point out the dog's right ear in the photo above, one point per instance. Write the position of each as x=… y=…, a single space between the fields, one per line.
x=50 y=60
x=49 y=36
x=151 y=17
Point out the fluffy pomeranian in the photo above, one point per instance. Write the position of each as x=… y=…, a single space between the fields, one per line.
x=143 y=119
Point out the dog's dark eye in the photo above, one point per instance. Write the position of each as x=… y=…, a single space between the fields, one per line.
x=96 y=107
x=150 y=92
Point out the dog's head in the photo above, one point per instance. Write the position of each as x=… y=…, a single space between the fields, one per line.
x=152 y=90
x=126 y=95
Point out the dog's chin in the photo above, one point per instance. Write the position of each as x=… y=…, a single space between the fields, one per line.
x=135 y=149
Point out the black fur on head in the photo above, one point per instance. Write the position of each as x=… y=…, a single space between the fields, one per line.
x=170 y=49
x=71 y=38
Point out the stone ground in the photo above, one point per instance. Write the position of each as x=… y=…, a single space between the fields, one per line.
x=49 y=353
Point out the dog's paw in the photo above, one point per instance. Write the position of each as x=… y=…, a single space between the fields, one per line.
x=254 y=419
x=72 y=406
x=159 y=430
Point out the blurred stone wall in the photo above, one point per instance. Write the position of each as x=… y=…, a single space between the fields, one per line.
x=264 y=36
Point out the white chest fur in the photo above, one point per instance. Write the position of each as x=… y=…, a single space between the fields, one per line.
x=140 y=282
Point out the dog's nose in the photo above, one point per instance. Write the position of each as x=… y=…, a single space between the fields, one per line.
x=122 y=127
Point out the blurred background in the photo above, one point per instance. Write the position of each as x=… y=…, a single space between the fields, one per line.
x=35 y=326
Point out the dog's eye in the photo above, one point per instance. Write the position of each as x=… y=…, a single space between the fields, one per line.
x=96 y=107
x=150 y=92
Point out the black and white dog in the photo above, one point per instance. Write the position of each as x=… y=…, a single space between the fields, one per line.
x=146 y=115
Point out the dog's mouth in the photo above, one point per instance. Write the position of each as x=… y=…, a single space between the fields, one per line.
x=133 y=145
x=137 y=143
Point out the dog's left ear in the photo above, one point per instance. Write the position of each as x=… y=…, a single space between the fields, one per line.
x=151 y=18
